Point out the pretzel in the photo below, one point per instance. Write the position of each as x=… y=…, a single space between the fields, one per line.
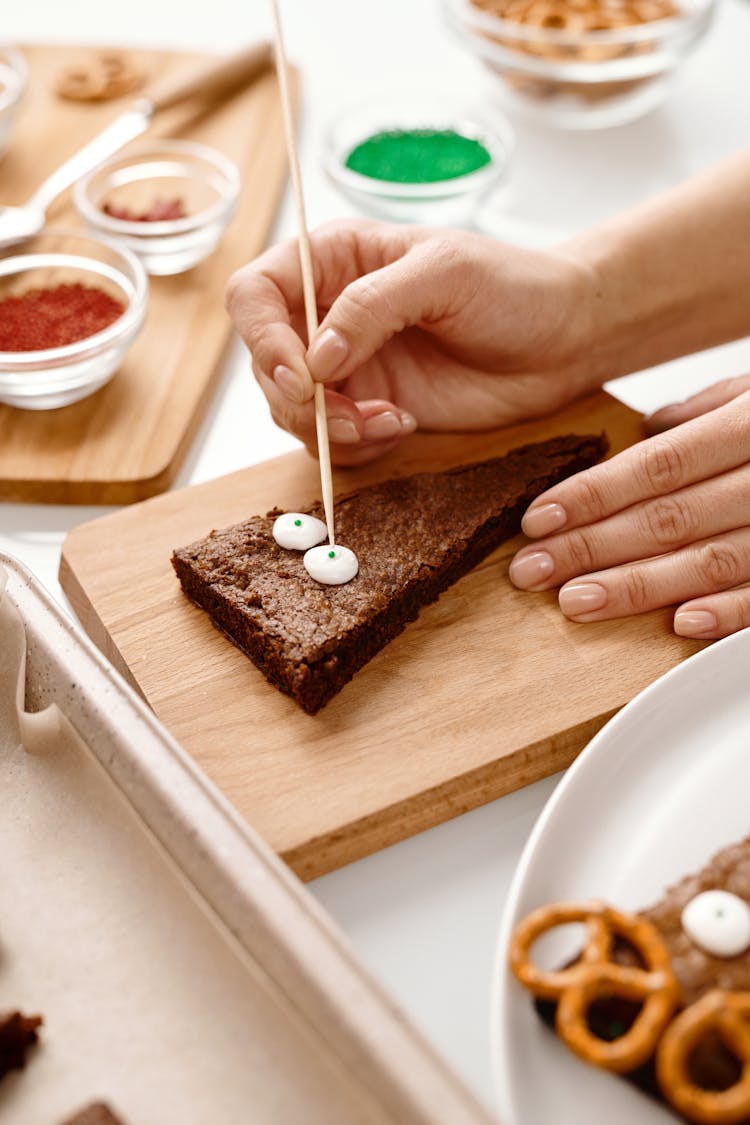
x=106 y=75
x=595 y=976
x=726 y=1014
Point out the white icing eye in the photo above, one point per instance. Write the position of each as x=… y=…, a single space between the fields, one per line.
x=718 y=922
x=296 y=531
x=331 y=565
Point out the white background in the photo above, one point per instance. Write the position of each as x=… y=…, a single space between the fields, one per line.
x=422 y=914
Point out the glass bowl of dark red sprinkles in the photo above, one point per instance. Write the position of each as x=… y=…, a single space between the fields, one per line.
x=71 y=305
x=169 y=202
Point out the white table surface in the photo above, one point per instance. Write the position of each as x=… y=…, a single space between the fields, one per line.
x=422 y=914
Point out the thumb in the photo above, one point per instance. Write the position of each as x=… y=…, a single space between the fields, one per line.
x=418 y=288
x=708 y=399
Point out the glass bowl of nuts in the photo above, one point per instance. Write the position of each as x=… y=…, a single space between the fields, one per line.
x=581 y=64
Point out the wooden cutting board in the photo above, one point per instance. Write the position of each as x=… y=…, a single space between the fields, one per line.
x=489 y=690
x=128 y=440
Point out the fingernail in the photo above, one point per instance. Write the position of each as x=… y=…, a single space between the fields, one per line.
x=408 y=422
x=380 y=426
x=582 y=597
x=544 y=520
x=694 y=622
x=530 y=570
x=327 y=353
x=289 y=382
x=343 y=430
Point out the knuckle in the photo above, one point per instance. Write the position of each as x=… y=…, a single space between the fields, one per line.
x=445 y=252
x=366 y=302
x=234 y=288
x=278 y=419
x=284 y=418
x=331 y=228
x=720 y=564
x=340 y=228
x=726 y=386
x=663 y=464
x=741 y=608
x=261 y=346
x=581 y=552
x=636 y=590
x=668 y=520
x=590 y=498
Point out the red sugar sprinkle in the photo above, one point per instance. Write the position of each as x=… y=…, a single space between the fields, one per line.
x=50 y=318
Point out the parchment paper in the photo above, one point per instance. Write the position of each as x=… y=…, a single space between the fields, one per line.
x=148 y=1003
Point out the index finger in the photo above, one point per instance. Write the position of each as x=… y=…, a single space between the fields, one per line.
x=695 y=451
x=265 y=298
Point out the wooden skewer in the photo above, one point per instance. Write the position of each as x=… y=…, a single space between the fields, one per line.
x=305 y=258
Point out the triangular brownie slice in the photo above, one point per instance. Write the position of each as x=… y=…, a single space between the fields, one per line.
x=414 y=537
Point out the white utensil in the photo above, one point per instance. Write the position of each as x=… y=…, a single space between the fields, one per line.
x=218 y=79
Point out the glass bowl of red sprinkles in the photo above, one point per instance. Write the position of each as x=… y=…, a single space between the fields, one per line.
x=169 y=202
x=71 y=305
x=13 y=80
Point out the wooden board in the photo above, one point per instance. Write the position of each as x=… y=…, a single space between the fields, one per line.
x=127 y=441
x=489 y=690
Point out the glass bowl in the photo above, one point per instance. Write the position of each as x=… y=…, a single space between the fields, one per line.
x=12 y=89
x=50 y=377
x=563 y=63
x=170 y=202
x=446 y=201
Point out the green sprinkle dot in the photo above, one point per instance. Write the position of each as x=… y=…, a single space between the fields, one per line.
x=331 y=554
x=298 y=523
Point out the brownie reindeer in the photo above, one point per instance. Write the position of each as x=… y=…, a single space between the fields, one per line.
x=662 y=996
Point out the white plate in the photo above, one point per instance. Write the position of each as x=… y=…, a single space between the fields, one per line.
x=661 y=787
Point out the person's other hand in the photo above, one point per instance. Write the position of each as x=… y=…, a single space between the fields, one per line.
x=665 y=522
x=707 y=399
x=441 y=330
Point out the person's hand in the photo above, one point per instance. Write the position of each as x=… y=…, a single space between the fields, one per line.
x=708 y=399
x=665 y=522
x=443 y=330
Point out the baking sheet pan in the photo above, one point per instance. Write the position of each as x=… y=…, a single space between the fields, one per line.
x=183 y=973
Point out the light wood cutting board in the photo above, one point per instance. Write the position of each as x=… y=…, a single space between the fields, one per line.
x=127 y=441
x=489 y=690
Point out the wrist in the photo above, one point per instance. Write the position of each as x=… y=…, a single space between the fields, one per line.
x=669 y=275
x=583 y=321
x=626 y=311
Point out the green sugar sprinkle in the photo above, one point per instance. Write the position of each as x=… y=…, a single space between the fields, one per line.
x=298 y=523
x=331 y=554
x=417 y=156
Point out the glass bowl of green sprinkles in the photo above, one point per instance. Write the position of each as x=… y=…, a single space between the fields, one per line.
x=419 y=164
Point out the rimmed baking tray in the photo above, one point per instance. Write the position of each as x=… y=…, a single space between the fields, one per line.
x=184 y=974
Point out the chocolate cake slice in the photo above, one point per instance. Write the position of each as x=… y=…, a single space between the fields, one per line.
x=414 y=537
x=17 y=1034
